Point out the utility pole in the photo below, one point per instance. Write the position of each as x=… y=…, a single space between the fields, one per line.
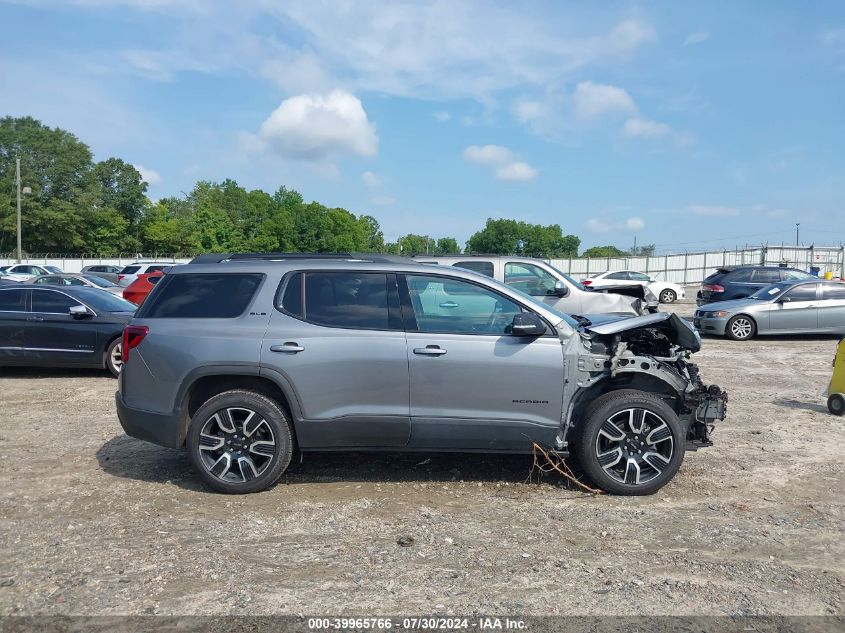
x=634 y=252
x=18 y=187
x=797 y=224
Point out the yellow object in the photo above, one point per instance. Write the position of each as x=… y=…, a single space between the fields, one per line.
x=828 y=274
x=837 y=381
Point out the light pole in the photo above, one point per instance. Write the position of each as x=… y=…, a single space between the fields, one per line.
x=797 y=224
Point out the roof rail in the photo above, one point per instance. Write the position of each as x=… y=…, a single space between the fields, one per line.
x=216 y=258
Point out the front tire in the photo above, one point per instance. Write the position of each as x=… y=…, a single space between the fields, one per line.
x=240 y=442
x=668 y=296
x=836 y=404
x=741 y=328
x=114 y=357
x=631 y=442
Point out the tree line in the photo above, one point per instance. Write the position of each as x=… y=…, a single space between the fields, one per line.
x=78 y=206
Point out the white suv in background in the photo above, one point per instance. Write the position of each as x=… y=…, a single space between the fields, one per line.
x=130 y=273
x=665 y=291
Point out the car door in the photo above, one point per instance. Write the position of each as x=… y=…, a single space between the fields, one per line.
x=336 y=337
x=832 y=308
x=13 y=322
x=473 y=385
x=796 y=310
x=53 y=335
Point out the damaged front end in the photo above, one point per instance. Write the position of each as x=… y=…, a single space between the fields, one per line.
x=649 y=353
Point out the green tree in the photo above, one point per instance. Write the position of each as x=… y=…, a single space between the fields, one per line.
x=58 y=168
x=509 y=237
x=646 y=250
x=448 y=246
x=122 y=189
x=603 y=251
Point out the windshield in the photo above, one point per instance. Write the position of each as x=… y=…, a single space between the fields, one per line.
x=99 y=281
x=575 y=283
x=771 y=291
x=104 y=301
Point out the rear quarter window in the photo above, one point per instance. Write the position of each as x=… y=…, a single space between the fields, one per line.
x=130 y=270
x=202 y=296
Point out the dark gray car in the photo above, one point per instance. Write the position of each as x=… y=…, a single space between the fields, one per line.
x=247 y=360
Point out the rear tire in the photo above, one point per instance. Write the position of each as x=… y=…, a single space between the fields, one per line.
x=630 y=443
x=741 y=328
x=240 y=442
x=836 y=404
x=113 y=357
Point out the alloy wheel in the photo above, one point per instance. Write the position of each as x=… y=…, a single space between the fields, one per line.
x=741 y=327
x=236 y=445
x=667 y=296
x=116 y=357
x=634 y=446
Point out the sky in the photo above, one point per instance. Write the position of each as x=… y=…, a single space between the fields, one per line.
x=691 y=126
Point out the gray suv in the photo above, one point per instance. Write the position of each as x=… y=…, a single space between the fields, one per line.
x=248 y=359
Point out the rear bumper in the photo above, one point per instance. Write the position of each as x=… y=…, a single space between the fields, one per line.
x=158 y=428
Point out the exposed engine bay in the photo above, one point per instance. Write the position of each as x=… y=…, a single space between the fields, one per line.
x=650 y=353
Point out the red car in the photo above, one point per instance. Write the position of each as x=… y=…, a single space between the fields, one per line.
x=138 y=290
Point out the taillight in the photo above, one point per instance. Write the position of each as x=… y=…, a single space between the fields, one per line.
x=586 y=282
x=712 y=288
x=132 y=337
x=119 y=277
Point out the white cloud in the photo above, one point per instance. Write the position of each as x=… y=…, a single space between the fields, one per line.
x=696 y=37
x=593 y=100
x=516 y=172
x=383 y=200
x=370 y=179
x=638 y=127
x=506 y=167
x=629 y=35
x=150 y=176
x=713 y=210
x=634 y=223
x=487 y=154
x=317 y=127
x=442 y=116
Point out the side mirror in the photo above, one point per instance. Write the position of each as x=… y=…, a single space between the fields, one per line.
x=527 y=324
x=784 y=300
x=80 y=312
x=561 y=289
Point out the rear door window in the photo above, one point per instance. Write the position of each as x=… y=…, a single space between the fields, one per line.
x=364 y=301
x=833 y=291
x=12 y=301
x=130 y=270
x=155 y=269
x=743 y=275
x=202 y=296
x=485 y=268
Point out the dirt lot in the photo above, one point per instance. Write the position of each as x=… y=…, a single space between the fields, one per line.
x=94 y=522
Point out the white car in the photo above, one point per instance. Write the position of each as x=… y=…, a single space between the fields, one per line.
x=130 y=273
x=665 y=291
x=22 y=272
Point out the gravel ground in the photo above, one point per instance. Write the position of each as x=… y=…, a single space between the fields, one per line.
x=94 y=522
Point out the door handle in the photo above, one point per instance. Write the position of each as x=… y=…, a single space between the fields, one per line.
x=287 y=348
x=35 y=318
x=429 y=350
x=448 y=304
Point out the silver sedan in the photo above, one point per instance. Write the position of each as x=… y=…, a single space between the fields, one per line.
x=74 y=279
x=805 y=307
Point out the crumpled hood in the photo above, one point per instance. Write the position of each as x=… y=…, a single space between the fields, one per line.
x=679 y=331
